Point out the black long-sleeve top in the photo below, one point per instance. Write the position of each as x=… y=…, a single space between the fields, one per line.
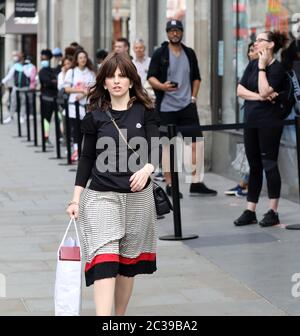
x=106 y=158
x=48 y=80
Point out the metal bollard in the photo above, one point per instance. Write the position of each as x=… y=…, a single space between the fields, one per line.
x=68 y=136
x=77 y=129
x=297 y=125
x=35 y=135
x=57 y=130
x=42 y=125
x=27 y=116
x=172 y=133
x=19 y=113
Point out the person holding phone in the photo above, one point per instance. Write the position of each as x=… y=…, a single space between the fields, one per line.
x=263 y=79
x=175 y=77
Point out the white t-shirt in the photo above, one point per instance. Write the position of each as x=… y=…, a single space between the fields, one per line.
x=77 y=78
x=142 y=68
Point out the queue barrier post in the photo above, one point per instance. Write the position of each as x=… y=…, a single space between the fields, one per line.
x=172 y=133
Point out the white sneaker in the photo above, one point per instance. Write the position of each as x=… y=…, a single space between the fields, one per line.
x=7 y=120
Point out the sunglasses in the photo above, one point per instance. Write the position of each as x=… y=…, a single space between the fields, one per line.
x=262 y=39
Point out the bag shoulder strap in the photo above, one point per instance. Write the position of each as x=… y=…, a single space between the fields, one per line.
x=121 y=134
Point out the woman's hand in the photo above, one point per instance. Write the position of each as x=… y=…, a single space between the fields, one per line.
x=73 y=210
x=79 y=97
x=139 y=179
x=265 y=58
x=272 y=96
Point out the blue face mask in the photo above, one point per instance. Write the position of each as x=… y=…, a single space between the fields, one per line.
x=45 y=64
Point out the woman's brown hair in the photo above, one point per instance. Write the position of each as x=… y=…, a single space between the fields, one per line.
x=100 y=98
x=280 y=39
x=89 y=63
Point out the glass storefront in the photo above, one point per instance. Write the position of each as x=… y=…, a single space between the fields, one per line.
x=242 y=21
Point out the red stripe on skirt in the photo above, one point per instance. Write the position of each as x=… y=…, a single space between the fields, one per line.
x=104 y=258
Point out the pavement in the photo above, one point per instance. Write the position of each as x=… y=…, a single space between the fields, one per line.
x=226 y=271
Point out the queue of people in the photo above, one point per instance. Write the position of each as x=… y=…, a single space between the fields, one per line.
x=128 y=97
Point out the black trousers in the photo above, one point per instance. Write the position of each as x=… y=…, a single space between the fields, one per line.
x=75 y=129
x=48 y=110
x=262 y=148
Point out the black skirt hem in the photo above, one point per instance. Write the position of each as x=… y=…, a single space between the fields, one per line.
x=113 y=269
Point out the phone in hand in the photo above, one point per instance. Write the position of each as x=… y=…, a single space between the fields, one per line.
x=174 y=84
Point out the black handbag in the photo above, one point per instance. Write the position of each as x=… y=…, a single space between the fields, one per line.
x=162 y=202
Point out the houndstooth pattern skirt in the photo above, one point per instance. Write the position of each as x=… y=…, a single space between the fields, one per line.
x=118 y=233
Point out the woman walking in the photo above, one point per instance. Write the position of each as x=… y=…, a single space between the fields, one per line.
x=116 y=212
x=263 y=79
x=78 y=79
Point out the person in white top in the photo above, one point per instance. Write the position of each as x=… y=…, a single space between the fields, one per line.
x=77 y=82
x=66 y=65
x=141 y=61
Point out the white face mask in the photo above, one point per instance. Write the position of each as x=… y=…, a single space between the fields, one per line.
x=15 y=59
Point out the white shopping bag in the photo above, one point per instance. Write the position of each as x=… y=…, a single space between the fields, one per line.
x=67 y=295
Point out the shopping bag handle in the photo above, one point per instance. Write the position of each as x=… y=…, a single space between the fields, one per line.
x=65 y=235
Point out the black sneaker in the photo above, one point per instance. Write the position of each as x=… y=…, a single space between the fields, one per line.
x=248 y=217
x=200 y=189
x=169 y=191
x=270 y=218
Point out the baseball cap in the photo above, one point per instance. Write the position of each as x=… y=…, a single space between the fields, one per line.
x=57 y=52
x=174 y=24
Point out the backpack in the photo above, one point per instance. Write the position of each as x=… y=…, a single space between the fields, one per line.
x=20 y=79
x=289 y=98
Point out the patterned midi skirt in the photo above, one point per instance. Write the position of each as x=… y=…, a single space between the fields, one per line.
x=118 y=233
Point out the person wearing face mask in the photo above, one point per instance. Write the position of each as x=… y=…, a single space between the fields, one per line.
x=21 y=83
x=48 y=80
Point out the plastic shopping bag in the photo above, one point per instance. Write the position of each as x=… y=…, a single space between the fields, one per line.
x=67 y=295
x=240 y=163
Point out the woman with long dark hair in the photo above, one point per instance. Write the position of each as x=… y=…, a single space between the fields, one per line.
x=263 y=79
x=78 y=80
x=117 y=215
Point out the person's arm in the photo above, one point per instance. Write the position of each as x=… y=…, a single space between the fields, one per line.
x=33 y=78
x=154 y=73
x=140 y=178
x=157 y=85
x=47 y=80
x=246 y=94
x=9 y=76
x=86 y=163
x=195 y=90
x=264 y=88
